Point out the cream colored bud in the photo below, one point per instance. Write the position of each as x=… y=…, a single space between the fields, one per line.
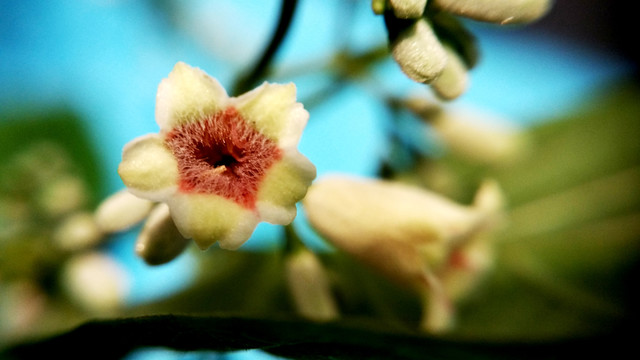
x=96 y=282
x=77 y=231
x=378 y=6
x=497 y=11
x=419 y=53
x=479 y=137
x=62 y=195
x=454 y=79
x=121 y=211
x=22 y=304
x=160 y=241
x=309 y=287
x=395 y=228
x=408 y=9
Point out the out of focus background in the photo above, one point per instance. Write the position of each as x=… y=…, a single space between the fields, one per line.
x=78 y=81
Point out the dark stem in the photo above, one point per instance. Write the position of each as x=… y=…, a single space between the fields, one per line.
x=293 y=242
x=247 y=82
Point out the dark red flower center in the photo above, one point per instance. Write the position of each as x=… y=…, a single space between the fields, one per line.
x=223 y=155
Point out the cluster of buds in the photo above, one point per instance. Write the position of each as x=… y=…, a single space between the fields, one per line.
x=433 y=47
x=48 y=235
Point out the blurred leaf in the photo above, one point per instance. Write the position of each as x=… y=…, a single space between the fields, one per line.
x=61 y=126
x=567 y=260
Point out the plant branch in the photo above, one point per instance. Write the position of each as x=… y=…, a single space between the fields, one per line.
x=247 y=82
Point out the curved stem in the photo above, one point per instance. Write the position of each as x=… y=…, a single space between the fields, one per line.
x=248 y=81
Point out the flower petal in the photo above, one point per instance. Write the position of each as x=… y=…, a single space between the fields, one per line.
x=497 y=11
x=273 y=111
x=148 y=168
x=209 y=218
x=186 y=95
x=284 y=185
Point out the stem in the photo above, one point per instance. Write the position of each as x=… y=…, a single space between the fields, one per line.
x=293 y=242
x=245 y=83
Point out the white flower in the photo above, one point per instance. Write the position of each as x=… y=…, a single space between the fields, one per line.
x=96 y=282
x=406 y=233
x=222 y=164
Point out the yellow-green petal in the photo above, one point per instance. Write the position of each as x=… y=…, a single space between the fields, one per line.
x=148 y=168
x=208 y=219
x=273 y=111
x=284 y=185
x=187 y=95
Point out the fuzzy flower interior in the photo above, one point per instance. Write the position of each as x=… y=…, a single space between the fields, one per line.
x=222 y=155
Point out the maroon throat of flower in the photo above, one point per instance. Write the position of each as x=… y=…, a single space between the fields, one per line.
x=222 y=154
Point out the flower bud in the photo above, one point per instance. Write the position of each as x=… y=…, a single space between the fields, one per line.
x=309 y=287
x=408 y=9
x=419 y=53
x=454 y=79
x=62 y=195
x=378 y=6
x=477 y=137
x=95 y=281
x=22 y=304
x=121 y=211
x=497 y=11
x=77 y=231
x=160 y=241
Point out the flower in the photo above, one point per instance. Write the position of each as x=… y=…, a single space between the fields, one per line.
x=222 y=164
x=414 y=237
